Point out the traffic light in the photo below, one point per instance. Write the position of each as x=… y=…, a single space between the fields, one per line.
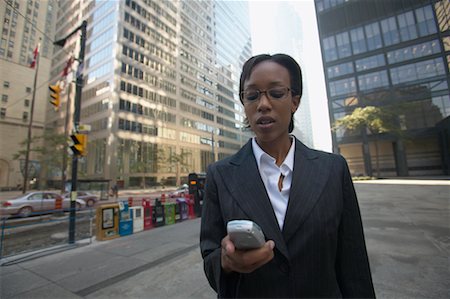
x=79 y=147
x=55 y=96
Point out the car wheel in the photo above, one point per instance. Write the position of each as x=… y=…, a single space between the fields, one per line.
x=90 y=203
x=25 y=211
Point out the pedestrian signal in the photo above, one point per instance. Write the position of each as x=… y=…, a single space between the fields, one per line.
x=55 y=96
x=79 y=147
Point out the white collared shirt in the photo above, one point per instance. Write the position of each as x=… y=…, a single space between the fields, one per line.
x=270 y=174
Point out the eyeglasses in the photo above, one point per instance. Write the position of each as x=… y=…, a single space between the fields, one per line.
x=274 y=93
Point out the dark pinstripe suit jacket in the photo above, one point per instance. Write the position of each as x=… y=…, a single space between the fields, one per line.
x=321 y=250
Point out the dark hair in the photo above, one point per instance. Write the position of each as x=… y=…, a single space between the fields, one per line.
x=288 y=62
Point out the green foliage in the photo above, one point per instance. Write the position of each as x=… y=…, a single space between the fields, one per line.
x=375 y=119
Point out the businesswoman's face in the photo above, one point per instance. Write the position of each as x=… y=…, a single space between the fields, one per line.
x=269 y=103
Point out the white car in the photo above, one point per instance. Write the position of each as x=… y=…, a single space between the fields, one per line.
x=35 y=203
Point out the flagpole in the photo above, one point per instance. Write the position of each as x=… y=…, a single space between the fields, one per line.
x=30 y=125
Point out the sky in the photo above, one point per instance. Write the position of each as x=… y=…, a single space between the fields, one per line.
x=268 y=28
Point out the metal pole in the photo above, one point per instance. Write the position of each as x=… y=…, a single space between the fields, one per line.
x=30 y=125
x=66 y=136
x=76 y=122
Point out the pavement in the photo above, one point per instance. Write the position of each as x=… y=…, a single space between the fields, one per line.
x=407 y=229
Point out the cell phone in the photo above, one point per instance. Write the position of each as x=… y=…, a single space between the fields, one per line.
x=245 y=234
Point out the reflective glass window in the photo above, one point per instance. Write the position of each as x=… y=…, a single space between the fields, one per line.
x=343 y=45
x=369 y=62
x=340 y=70
x=420 y=70
x=407 y=26
x=373 y=36
x=358 y=40
x=341 y=87
x=390 y=31
x=329 y=45
x=425 y=21
x=415 y=51
x=373 y=80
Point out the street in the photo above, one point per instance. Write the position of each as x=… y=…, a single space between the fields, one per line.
x=407 y=236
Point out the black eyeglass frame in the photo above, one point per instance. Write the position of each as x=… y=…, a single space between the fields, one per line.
x=261 y=92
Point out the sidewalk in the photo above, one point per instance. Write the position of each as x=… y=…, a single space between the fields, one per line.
x=80 y=271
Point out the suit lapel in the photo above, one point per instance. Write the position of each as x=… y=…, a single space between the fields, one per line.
x=247 y=188
x=309 y=178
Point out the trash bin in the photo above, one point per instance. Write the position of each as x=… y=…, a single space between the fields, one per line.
x=137 y=214
x=169 y=209
x=158 y=214
x=183 y=208
x=125 y=219
x=148 y=215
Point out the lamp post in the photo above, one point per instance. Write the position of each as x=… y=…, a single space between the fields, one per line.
x=76 y=121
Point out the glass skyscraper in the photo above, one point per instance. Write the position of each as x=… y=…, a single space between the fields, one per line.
x=161 y=86
x=394 y=55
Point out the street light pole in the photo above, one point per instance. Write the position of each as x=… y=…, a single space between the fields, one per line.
x=76 y=122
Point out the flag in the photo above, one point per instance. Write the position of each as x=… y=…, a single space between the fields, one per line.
x=35 y=54
x=68 y=67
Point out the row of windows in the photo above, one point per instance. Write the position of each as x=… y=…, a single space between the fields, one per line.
x=150 y=17
x=95 y=108
x=147 y=94
x=151 y=47
x=149 y=61
x=411 y=115
x=133 y=126
x=197 y=99
x=155 y=36
x=402 y=74
x=393 y=30
x=3 y=114
x=151 y=113
x=395 y=56
x=195 y=111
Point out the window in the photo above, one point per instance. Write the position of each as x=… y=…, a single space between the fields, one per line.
x=373 y=36
x=390 y=31
x=6 y=84
x=425 y=21
x=340 y=69
x=4 y=98
x=407 y=26
x=343 y=45
x=358 y=41
x=25 y=116
x=28 y=89
x=373 y=80
x=330 y=48
x=3 y=112
x=26 y=103
x=369 y=62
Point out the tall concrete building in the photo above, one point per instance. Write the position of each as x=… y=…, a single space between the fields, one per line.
x=23 y=25
x=394 y=55
x=161 y=86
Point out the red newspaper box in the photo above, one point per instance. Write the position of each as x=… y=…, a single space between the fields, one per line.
x=147 y=205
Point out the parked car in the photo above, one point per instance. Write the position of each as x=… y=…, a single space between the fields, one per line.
x=89 y=198
x=34 y=203
x=184 y=189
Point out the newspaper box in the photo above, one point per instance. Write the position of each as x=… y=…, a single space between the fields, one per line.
x=125 y=219
x=148 y=209
x=137 y=213
x=107 y=221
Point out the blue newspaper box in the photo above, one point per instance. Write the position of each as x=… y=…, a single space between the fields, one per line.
x=125 y=219
x=183 y=209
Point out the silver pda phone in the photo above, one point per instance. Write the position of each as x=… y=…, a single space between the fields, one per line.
x=245 y=234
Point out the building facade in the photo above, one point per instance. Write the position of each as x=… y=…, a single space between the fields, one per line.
x=161 y=86
x=394 y=55
x=23 y=25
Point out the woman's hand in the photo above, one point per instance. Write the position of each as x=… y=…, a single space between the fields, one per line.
x=245 y=261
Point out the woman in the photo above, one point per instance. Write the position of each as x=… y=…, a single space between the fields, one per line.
x=303 y=200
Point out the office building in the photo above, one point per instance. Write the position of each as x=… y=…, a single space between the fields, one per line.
x=23 y=25
x=160 y=86
x=394 y=55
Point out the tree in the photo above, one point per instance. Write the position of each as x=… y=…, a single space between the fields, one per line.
x=374 y=119
x=48 y=146
x=171 y=159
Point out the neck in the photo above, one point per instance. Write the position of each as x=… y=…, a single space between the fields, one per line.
x=277 y=150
